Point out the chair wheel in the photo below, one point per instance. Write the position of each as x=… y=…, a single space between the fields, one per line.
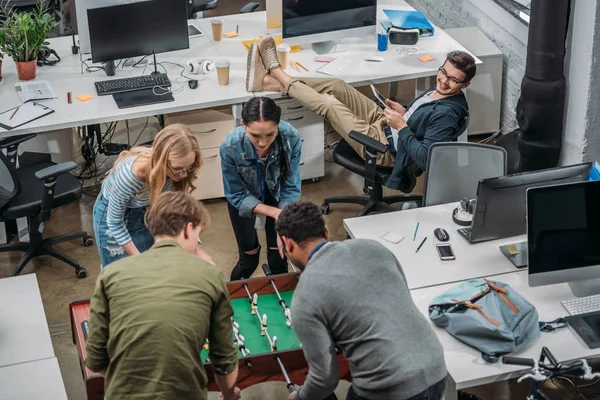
x=324 y=208
x=88 y=241
x=81 y=273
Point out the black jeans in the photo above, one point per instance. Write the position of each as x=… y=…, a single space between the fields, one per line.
x=434 y=392
x=247 y=240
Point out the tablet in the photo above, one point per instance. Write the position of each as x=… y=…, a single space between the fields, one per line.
x=379 y=98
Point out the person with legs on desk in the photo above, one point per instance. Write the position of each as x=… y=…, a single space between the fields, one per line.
x=137 y=178
x=151 y=314
x=353 y=296
x=261 y=175
x=435 y=116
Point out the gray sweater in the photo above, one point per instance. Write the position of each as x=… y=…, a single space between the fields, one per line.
x=353 y=296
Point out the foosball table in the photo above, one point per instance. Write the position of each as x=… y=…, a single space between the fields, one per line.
x=268 y=348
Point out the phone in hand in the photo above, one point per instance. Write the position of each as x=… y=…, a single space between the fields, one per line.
x=445 y=251
x=379 y=98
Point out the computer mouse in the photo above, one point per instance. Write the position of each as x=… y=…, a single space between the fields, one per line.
x=441 y=234
x=374 y=59
x=193 y=83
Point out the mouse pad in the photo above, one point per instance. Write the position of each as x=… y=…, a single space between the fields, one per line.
x=141 y=97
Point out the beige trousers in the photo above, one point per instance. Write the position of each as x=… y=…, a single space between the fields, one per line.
x=344 y=107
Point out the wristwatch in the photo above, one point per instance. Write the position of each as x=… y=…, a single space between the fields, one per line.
x=199 y=242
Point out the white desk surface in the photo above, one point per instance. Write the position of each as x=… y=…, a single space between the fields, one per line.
x=32 y=381
x=464 y=363
x=24 y=334
x=425 y=268
x=66 y=76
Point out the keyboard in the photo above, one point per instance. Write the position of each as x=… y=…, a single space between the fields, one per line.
x=131 y=84
x=465 y=232
x=335 y=66
x=582 y=305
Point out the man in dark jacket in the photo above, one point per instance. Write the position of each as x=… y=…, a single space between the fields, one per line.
x=436 y=116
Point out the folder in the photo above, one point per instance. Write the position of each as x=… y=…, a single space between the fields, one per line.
x=595 y=172
x=408 y=20
x=23 y=114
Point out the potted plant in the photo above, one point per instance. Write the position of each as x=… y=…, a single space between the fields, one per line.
x=22 y=34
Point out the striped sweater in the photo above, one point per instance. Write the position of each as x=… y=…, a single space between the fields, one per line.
x=123 y=190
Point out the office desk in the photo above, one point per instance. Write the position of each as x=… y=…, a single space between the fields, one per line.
x=33 y=380
x=66 y=76
x=24 y=334
x=424 y=268
x=465 y=366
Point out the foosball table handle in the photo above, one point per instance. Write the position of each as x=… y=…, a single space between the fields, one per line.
x=266 y=270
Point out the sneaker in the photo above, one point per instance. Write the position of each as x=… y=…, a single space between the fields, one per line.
x=255 y=70
x=268 y=52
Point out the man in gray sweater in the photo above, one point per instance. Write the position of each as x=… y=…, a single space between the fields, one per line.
x=353 y=296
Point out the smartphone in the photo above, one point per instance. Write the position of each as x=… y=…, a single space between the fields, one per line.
x=379 y=98
x=445 y=251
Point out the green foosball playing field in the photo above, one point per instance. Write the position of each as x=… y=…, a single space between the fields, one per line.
x=250 y=327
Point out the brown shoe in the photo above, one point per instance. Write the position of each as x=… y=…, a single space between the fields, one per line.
x=268 y=52
x=255 y=70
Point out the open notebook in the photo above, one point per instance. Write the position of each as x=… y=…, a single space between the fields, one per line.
x=23 y=114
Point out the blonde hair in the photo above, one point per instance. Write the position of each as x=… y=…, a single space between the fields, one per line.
x=172 y=211
x=174 y=141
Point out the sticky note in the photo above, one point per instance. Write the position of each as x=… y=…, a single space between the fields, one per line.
x=85 y=97
x=426 y=58
x=512 y=250
x=230 y=35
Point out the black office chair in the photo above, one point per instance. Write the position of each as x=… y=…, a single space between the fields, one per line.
x=196 y=6
x=374 y=176
x=32 y=191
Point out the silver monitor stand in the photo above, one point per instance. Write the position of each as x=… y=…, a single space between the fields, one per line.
x=585 y=288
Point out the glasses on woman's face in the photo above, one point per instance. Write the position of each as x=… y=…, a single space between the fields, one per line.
x=179 y=172
x=451 y=79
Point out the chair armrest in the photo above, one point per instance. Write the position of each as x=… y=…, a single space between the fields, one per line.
x=248 y=8
x=55 y=170
x=15 y=140
x=372 y=145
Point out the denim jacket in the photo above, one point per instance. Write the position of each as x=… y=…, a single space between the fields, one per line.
x=243 y=170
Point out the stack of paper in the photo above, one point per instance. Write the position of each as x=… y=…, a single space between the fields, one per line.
x=35 y=91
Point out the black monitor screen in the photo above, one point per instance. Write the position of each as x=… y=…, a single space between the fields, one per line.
x=563 y=227
x=309 y=17
x=137 y=29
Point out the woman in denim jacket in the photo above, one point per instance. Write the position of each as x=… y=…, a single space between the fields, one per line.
x=261 y=175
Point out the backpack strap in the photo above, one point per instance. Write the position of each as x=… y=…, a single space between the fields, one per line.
x=558 y=323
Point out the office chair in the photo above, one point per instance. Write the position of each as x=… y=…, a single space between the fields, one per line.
x=32 y=191
x=196 y=6
x=454 y=170
x=376 y=176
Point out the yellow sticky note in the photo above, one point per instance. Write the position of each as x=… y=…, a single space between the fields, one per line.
x=278 y=41
x=230 y=34
x=512 y=250
x=85 y=97
x=426 y=58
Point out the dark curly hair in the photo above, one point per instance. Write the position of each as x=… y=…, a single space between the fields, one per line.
x=301 y=221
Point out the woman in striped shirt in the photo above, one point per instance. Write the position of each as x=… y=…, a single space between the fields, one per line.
x=137 y=178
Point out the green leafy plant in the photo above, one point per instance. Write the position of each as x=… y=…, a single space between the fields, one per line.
x=22 y=34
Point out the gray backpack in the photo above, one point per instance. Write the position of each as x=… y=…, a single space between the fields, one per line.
x=487 y=315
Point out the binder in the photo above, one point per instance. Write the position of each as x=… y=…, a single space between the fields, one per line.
x=408 y=20
x=23 y=114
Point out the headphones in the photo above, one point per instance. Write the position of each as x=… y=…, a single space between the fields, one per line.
x=44 y=54
x=463 y=214
x=202 y=67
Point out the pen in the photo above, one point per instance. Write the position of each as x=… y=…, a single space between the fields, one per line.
x=13 y=114
x=421 y=244
x=237 y=29
x=416 y=229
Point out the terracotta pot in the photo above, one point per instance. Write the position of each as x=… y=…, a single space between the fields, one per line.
x=26 y=70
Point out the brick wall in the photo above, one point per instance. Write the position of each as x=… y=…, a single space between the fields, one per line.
x=507 y=33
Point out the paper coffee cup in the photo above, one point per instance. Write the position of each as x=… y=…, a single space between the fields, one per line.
x=217 y=29
x=222 y=72
x=283 y=55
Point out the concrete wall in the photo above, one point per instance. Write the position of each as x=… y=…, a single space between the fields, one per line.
x=507 y=33
x=581 y=141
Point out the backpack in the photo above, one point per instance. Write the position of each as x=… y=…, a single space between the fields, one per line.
x=489 y=316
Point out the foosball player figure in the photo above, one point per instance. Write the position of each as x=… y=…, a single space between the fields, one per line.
x=263 y=325
x=274 y=344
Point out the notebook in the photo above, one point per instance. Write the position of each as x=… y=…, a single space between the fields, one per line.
x=23 y=114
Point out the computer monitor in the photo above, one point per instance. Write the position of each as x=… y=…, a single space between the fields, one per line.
x=137 y=29
x=501 y=202
x=563 y=236
x=321 y=22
